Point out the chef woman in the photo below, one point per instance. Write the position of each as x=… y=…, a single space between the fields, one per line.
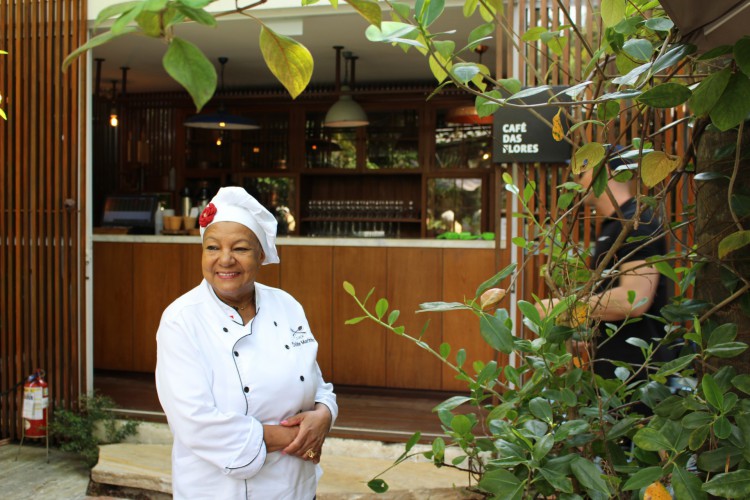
x=236 y=370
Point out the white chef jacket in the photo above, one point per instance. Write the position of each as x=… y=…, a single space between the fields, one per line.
x=219 y=381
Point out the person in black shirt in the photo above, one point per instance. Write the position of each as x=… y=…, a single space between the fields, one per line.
x=625 y=272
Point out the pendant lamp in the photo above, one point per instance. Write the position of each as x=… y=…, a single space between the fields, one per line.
x=221 y=120
x=467 y=115
x=345 y=112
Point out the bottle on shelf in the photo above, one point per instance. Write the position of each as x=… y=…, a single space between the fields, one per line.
x=185 y=202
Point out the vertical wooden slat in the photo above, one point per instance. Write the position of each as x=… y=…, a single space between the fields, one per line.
x=39 y=245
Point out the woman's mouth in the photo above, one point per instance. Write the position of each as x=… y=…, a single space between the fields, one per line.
x=226 y=276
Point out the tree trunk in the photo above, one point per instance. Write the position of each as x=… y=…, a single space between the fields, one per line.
x=714 y=222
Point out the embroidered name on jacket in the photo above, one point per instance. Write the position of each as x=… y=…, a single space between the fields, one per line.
x=301 y=337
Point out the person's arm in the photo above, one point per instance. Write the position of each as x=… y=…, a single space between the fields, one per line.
x=278 y=437
x=613 y=304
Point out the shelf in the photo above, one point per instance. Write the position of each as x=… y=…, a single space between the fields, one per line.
x=361 y=219
x=341 y=171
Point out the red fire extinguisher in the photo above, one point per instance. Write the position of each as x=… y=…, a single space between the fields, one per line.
x=35 y=404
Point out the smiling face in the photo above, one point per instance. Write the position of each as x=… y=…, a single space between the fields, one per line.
x=231 y=259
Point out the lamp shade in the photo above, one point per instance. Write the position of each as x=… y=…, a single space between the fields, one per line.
x=346 y=112
x=467 y=115
x=221 y=121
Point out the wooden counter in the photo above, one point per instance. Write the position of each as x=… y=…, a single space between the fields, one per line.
x=136 y=277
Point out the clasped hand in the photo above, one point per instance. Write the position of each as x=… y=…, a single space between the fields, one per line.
x=312 y=427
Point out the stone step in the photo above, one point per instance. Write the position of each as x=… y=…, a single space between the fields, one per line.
x=347 y=464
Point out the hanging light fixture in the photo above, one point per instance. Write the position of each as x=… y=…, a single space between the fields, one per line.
x=113 y=119
x=467 y=115
x=221 y=120
x=345 y=112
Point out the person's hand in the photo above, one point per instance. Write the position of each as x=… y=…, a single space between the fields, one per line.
x=278 y=437
x=544 y=306
x=313 y=428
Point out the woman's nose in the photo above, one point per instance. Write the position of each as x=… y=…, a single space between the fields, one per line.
x=226 y=258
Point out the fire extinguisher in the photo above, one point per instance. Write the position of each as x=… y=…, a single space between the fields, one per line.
x=35 y=404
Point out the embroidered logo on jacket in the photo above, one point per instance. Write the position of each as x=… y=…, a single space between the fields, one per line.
x=301 y=337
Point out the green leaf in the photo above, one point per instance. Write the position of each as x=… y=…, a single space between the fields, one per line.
x=381 y=307
x=541 y=409
x=95 y=42
x=451 y=403
x=377 y=485
x=126 y=18
x=460 y=357
x=707 y=94
x=639 y=49
x=727 y=349
x=742 y=382
x=687 y=485
x=441 y=306
x=722 y=428
x=470 y=6
x=722 y=334
x=733 y=105
x=666 y=95
x=587 y=157
x=464 y=72
x=733 y=242
x=114 y=10
x=510 y=85
x=657 y=165
x=529 y=311
x=195 y=4
x=542 y=447
x=742 y=54
x=461 y=424
x=712 y=392
x=730 y=484
x=672 y=57
x=667 y=270
x=607 y=110
x=589 y=475
x=486 y=107
x=533 y=34
x=354 y=321
x=481 y=32
x=349 y=288
x=612 y=11
x=502 y=484
x=659 y=24
x=531 y=91
x=368 y=9
x=696 y=419
x=187 y=65
x=496 y=333
x=436 y=62
x=643 y=478
x=200 y=16
x=445 y=350
x=427 y=11
x=651 y=439
x=496 y=279
x=557 y=480
x=698 y=437
x=393 y=316
x=676 y=365
x=391 y=32
x=289 y=61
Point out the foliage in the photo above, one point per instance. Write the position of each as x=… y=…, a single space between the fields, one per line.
x=78 y=431
x=289 y=61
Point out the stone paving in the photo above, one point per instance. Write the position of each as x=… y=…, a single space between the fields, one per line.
x=141 y=469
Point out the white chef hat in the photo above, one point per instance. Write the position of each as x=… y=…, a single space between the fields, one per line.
x=234 y=204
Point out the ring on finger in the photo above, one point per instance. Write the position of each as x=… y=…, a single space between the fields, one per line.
x=311 y=454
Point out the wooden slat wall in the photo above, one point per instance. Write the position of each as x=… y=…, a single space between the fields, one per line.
x=41 y=195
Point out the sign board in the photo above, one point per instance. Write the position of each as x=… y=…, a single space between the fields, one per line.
x=519 y=136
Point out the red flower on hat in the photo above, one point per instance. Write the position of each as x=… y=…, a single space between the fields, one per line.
x=207 y=216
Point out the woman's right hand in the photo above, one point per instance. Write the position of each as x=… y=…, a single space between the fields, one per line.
x=278 y=437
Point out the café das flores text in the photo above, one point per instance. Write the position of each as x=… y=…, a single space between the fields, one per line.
x=513 y=139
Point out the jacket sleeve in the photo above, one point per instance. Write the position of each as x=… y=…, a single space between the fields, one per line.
x=324 y=394
x=233 y=442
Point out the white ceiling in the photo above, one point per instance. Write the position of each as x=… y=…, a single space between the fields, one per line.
x=321 y=29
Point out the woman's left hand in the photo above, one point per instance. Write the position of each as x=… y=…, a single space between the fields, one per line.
x=313 y=428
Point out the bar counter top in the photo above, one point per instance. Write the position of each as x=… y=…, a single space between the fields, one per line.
x=308 y=241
